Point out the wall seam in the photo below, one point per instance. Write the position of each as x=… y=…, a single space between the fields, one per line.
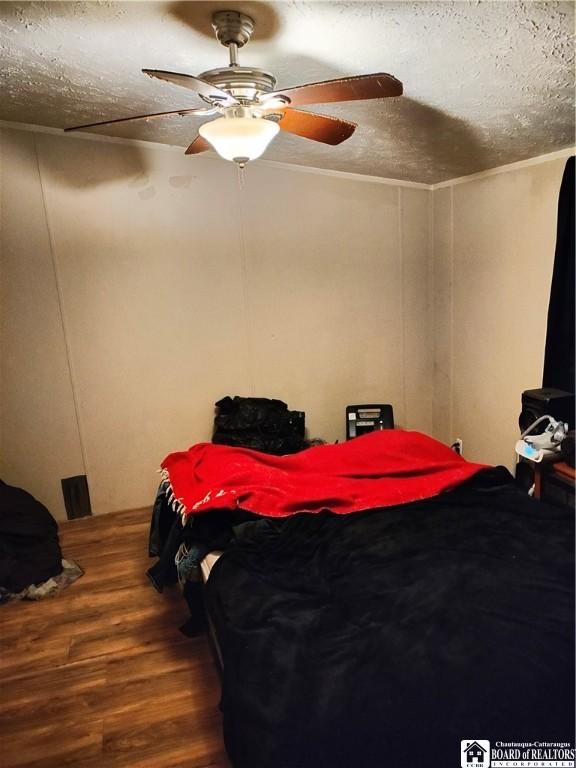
x=451 y=301
x=2 y=314
x=61 y=313
x=244 y=280
x=431 y=305
x=402 y=301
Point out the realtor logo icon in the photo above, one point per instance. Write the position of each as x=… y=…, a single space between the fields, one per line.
x=475 y=753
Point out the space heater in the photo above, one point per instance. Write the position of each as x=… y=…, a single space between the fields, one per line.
x=368 y=418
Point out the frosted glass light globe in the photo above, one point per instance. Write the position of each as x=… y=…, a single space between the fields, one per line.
x=239 y=139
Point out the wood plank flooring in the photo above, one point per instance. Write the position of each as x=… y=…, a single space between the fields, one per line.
x=100 y=676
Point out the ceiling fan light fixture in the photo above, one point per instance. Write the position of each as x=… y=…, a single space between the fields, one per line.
x=239 y=139
x=252 y=110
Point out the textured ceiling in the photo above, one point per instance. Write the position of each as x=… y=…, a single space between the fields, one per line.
x=485 y=83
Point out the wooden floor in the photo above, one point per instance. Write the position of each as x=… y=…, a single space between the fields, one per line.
x=100 y=676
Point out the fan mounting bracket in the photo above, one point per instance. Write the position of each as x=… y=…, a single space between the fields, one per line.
x=232 y=27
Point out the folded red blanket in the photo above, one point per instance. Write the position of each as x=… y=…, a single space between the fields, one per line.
x=376 y=470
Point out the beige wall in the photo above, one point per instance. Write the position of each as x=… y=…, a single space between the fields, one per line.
x=139 y=286
x=494 y=240
x=39 y=440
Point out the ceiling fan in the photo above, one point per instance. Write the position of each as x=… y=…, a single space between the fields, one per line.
x=251 y=111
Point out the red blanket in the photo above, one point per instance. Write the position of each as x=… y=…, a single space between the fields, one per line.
x=376 y=470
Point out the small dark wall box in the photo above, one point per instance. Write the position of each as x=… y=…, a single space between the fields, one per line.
x=76 y=497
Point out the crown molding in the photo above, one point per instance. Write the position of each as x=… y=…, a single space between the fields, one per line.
x=345 y=175
x=539 y=159
x=87 y=136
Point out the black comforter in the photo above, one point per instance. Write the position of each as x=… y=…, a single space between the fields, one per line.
x=386 y=637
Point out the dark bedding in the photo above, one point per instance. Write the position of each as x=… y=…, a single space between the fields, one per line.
x=386 y=637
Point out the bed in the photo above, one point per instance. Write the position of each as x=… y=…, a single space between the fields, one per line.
x=413 y=602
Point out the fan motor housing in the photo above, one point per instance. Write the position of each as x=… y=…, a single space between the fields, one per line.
x=244 y=83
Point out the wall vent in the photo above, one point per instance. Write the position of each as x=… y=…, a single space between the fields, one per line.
x=76 y=497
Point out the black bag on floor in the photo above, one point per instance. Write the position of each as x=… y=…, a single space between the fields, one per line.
x=259 y=423
x=29 y=547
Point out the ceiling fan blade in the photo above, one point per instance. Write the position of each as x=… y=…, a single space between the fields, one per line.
x=376 y=86
x=142 y=117
x=328 y=130
x=210 y=92
x=198 y=145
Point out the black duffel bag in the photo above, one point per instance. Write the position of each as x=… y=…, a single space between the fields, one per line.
x=259 y=423
x=29 y=546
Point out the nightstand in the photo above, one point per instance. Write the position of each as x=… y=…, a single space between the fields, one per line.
x=554 y=483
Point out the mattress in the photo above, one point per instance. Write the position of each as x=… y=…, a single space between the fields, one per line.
x=205 y=568
x=350 y=639
x=208 y=563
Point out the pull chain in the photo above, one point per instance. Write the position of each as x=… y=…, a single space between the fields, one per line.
x=241 y=179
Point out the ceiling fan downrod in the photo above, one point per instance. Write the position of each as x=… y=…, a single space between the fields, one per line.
x=244 y=84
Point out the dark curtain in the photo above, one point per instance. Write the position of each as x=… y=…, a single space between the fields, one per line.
x=559 y=355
